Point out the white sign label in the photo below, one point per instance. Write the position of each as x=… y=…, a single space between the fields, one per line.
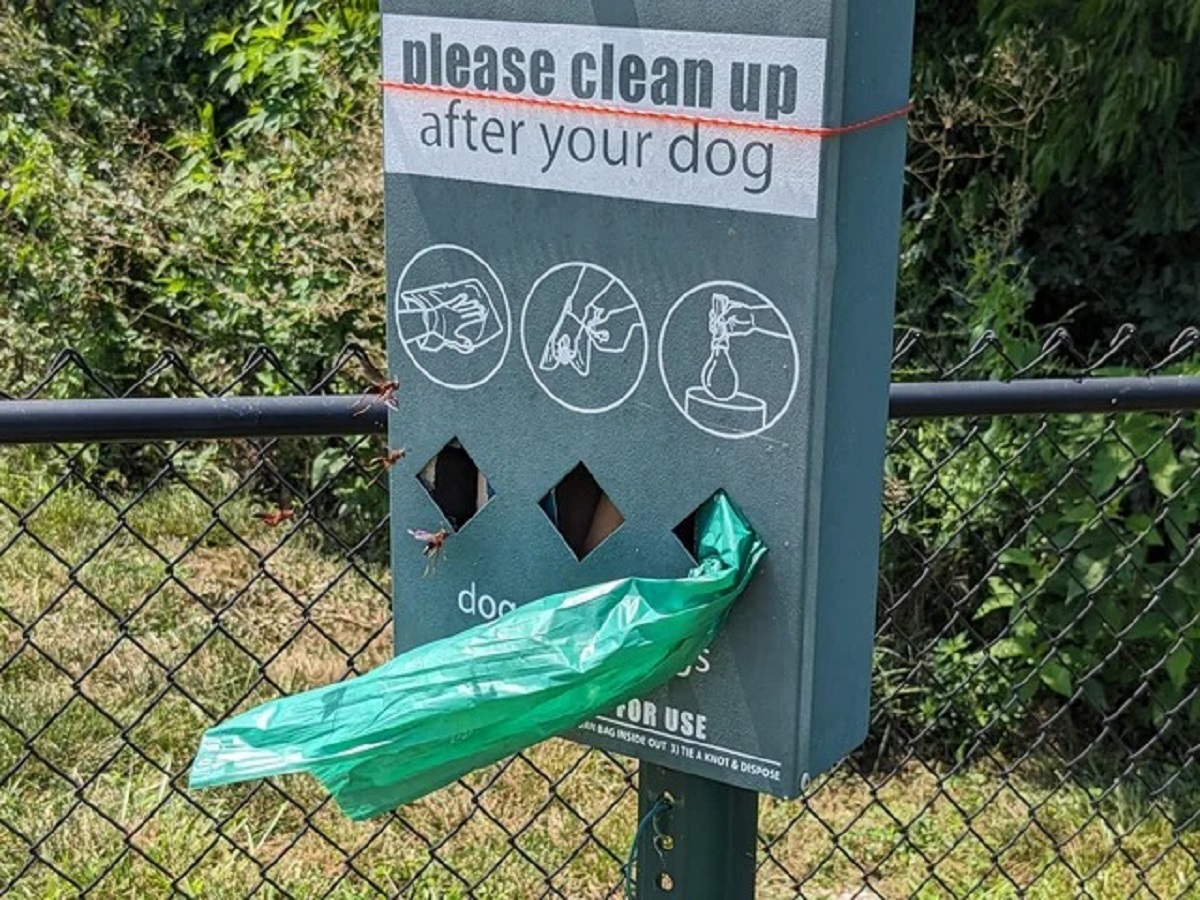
x=687 y=118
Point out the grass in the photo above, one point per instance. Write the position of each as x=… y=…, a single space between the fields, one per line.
x=110 y=668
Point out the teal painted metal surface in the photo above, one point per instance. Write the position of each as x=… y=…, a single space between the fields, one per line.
x=700 y=838
x=682 y=305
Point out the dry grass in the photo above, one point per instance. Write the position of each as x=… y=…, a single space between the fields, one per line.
x=115 y=666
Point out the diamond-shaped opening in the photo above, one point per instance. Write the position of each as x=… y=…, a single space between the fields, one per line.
x=456 y=484
x=581 y=511
x=686 y=532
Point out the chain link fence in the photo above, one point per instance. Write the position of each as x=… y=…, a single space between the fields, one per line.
x=1037 y=693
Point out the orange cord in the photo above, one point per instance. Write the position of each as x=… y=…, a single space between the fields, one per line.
x=684 y=118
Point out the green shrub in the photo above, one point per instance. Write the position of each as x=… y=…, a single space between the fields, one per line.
x=1100 y=594
x=137 y=218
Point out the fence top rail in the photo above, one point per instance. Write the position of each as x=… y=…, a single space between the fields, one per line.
x=217 y=418
x=1041 y=396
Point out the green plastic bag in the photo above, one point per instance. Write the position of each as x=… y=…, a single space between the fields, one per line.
x=447 y=708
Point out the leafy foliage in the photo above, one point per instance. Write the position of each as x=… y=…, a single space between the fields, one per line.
x=1064 y=135
x=1049 y=558
x=140 y=217
x=294 y=62
x=1102 y=587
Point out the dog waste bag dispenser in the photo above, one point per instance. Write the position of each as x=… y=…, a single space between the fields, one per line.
x=640 y=251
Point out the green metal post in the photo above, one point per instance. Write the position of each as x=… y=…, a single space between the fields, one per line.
x=700 y=845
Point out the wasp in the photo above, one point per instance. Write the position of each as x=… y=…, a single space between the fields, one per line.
x=384 y=391
x=276 y=517
x=435 y=546
x=389 y=459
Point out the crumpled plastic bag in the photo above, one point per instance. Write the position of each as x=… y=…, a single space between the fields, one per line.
x=435 y=713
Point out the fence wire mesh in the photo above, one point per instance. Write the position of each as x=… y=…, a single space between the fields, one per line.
x=1036 y=714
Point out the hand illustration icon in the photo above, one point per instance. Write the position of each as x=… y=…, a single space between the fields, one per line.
x=750 y=375
x=720 y=379
x=462 y=316
x=459 y=317
x=584 y=337
x=731 y=318
x=451 y=317
x=608 y=322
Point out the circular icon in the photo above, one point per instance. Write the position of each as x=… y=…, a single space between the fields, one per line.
x=584 y=338
x=452 y=316
x=728 y=360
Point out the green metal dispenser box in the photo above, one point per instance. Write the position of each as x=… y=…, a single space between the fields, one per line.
x=634 y=257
